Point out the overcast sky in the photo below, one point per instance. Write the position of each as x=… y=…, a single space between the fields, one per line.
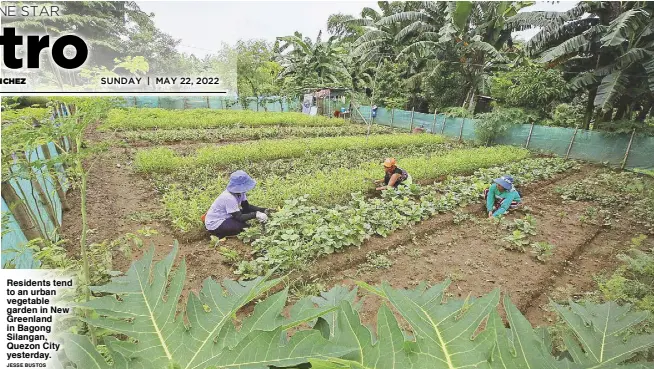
x=203 y=25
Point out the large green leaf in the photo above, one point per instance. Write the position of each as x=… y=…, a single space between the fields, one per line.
x=143 y=306
x=612 y=87
x=519 y=347
x=444 y=330
x=571 y=46
x=649 y=68
x=621 y=28
x=602 y=333
x=460 y=14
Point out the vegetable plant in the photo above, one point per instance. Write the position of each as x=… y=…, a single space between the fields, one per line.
x=542 y=250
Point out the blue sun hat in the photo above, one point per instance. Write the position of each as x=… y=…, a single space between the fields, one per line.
x=505 y=181
x=240 y=182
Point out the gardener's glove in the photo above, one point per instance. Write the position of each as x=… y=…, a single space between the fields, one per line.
x=262 y=217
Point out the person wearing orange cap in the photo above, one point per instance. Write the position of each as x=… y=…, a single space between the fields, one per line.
x=394 y=175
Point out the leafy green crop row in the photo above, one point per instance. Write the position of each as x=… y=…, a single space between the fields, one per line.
x=299 y=232
x=332 y=186
x=131 y=119
x=248 y=133
x=200 y=178
x=327 y=332
x=163 y=159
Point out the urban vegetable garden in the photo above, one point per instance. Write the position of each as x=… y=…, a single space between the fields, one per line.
x=566 y=280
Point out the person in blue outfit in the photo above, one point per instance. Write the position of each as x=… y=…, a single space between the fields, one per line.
x=229 y=213
x=501 y=196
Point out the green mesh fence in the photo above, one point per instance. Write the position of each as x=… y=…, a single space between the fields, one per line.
x=592 y=146
x=209 y=102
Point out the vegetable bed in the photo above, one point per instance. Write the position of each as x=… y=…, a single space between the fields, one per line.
x=250 y=133
x=163 y=159
x=144 y=119
x=300 y=232
x=330 y=185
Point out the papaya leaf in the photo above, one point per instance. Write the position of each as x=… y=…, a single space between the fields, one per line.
x=444 y=330
x=602 y=332
x=143 y=306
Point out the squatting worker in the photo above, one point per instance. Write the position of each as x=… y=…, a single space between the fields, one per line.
x=229 y=213
x=394 y=175
x=501 y=196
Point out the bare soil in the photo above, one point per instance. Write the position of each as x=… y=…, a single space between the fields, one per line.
x=470 y=253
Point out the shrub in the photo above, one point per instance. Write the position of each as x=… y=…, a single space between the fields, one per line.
x=457 y=112
x=488 y=126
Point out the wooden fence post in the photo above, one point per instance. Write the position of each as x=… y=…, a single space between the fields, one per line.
x=463 y=120
x=433 y=124
x=567 y=154
x=412 y=112
x=529 y=137
x=626 y=154
x=392 y=116
x=18 y=208
x=208 y=105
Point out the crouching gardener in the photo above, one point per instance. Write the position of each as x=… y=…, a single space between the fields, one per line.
x=393 y=176
x=501 y=196
x=229 y=213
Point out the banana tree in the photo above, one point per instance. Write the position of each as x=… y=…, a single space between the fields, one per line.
x=319 y=63
x=607 y=46
x=465 y=33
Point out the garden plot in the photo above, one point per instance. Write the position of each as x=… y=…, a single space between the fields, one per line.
x=194 y=135
x=422 y=240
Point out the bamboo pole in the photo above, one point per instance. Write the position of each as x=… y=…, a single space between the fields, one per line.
x=567 y=154
x=529 y=137
x=392 y=116
x=626 y=154
x=19 y=210
x=433 y=124
x=57 y=184
x=463 y=120
x=443 y=127
x=208 y=105
x=412 y=112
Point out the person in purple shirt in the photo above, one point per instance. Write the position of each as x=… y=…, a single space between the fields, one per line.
x=229 y=213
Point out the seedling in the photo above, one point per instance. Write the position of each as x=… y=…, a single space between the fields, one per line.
x=231 y=256
x=526 y=225
x=542 y=250
x=517 y=241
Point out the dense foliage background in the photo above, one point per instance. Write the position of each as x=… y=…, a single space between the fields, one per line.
x=591 y=66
